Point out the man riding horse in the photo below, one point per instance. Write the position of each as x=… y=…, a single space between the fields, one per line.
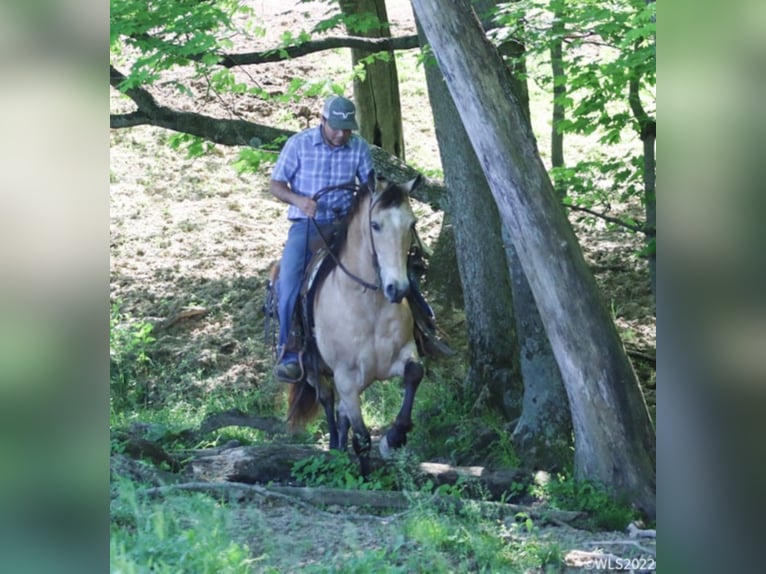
x=320 y=158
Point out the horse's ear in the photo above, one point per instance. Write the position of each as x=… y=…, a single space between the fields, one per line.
x=371 y=181
x=413 y=183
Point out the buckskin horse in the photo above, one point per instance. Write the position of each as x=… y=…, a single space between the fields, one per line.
x=361 y=321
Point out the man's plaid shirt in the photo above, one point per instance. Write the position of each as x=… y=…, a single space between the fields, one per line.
x=307 y=163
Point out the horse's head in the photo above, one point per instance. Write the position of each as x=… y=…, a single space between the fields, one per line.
x=391 y=224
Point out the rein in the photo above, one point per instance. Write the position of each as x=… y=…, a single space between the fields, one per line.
x=356 y=190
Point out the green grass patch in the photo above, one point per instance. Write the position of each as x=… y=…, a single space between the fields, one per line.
x=603 y=511
x=185 y=533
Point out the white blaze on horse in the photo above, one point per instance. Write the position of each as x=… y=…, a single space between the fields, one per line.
x=362 y=322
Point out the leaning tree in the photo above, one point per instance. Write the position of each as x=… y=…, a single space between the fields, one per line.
x=614 y=438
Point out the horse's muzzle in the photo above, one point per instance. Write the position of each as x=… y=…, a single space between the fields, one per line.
x=395 y=292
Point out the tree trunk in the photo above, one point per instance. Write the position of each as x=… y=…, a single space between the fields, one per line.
x=650 y=199
x=494 y=373
x=614 y=440
x=377 y=95
x=648 y=134
x=543 y=436
x=514 y=53
x=559 y=91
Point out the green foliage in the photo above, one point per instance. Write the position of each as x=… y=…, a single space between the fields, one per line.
x=449 y=543
x=337 y=470
x=354 y=23
x=360 y=70
x=607 y=46
x=129 y=346
x=604 y=512
x=251 y=159
x=448 y=427
x=195 y=146
x=186 y=533
x=169 y=33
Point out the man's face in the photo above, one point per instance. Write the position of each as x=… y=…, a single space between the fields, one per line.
x=335 y=138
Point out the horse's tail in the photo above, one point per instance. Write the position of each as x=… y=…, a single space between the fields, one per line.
x=303 y=405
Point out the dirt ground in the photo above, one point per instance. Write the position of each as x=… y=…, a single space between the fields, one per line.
x=190 y=234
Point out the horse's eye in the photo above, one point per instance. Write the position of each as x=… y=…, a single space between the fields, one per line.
x=375 y=226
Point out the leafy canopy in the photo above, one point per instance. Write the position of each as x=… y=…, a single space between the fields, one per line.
x=608 y=47
x=163 y=34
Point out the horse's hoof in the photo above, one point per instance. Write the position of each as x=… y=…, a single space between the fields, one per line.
x=385 y=450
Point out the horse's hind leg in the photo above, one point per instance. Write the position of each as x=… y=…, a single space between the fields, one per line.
x=397 y=435
x=344 y=424
x=361 y=441
x=327 y=400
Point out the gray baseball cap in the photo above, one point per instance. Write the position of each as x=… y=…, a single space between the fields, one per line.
x=340 y=113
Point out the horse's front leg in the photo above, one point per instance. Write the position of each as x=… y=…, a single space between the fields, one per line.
x=397 y=435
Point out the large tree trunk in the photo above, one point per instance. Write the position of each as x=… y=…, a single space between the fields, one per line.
x=526 y=382
x=614 y=439
x=543 y=436
x=377 y=95
x=494 y=372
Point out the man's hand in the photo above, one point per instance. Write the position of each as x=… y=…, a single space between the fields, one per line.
x=306 y=205
x=282 y=191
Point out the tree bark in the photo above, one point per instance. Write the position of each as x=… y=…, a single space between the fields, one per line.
x=494 y=372
x=377 y=94
x=614 y=439
x=543 y=436
x=527 y=382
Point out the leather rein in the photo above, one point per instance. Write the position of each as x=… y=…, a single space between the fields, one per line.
x=355 y=190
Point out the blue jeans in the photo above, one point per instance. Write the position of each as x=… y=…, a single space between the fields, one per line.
x=295 y=258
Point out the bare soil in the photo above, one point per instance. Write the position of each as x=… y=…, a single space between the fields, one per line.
x=191 y=237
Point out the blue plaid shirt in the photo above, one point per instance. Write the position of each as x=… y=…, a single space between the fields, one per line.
x=308 y=164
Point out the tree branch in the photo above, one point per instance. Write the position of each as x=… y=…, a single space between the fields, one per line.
x=244 y=133
x=221 y=131
x=312 y=46
x=609 y=218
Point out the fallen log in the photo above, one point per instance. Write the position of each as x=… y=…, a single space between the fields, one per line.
x=273 y=462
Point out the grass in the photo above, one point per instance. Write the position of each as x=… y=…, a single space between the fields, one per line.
x=602 y=511
x=183 y=533
x=194 y=533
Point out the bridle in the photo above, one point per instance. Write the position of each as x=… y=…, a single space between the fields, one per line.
x=356 y=190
